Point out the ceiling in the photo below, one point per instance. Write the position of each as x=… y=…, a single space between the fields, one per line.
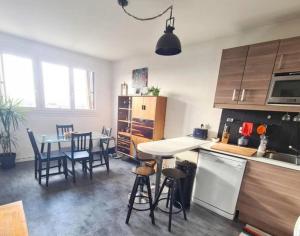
x=100 y=28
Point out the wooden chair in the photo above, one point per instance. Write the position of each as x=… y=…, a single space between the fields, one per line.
x=50 y=156
x=60 y=131
x=81 y=145
x=100 y=151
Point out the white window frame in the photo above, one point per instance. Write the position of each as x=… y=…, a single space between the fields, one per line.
x=38 y=83
x=2 y=77
x=90 y=76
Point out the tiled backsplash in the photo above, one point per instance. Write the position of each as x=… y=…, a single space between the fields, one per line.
x=281 y=134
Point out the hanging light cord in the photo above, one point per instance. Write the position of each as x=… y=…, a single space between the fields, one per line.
x=149 y=18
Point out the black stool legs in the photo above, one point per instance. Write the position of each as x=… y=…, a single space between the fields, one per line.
x=140 y=180
x=172 y=183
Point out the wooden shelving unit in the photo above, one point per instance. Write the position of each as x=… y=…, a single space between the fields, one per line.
x=140 y=119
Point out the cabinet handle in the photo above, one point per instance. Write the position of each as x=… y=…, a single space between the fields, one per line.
x=243 y=95
x=233 y=95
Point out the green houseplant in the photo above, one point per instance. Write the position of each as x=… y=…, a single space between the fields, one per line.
x=154 y=91
x=10 y=117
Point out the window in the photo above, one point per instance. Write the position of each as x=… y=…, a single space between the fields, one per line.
x=56 y=85
x=18 y=80
x=83 y=89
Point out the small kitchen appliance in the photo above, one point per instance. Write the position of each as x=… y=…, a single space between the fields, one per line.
x=200 y=133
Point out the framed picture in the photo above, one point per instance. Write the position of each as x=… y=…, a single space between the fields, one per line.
x=140 y=78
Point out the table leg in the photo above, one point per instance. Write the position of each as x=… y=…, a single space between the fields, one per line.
x=159 y=162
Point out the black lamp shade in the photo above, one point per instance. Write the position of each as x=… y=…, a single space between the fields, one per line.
x=168 y=44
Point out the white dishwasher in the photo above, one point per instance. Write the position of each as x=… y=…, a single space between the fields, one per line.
x=218 y=182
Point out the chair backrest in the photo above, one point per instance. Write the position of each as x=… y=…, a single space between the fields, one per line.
x=81 y=142
x=106 y=131
x=37 y=153
x=61 y=129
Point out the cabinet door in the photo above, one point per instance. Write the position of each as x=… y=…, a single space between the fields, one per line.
x=258 y=73
x=137 y=105
x=144 y=107
x=230 y=75
x=288 y=57
x=149 y=108
x=270 y=198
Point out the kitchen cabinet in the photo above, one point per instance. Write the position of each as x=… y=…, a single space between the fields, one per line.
x=258 y=73
x=288 y=56
x=230 y=75
x=270 y=198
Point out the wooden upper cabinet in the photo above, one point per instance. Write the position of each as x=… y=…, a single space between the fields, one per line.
x=230 y=75
x=144 y=107
x=288 y=57
x=258 y=73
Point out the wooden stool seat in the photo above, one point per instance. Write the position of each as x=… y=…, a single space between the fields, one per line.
x=173 y=173
x=143 y=171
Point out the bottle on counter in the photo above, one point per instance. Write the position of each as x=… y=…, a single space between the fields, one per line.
x=262 y=146
x=225 y=134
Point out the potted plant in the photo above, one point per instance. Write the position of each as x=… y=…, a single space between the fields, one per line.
x=10 y=117
x=154 y=91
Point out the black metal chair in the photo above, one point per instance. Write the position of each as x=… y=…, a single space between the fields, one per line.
x=81 y=145
x=47 y=158
x=172 y=180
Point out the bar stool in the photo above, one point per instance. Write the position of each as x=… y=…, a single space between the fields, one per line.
x=142 y=178
x=143 y=159
x=172 y=180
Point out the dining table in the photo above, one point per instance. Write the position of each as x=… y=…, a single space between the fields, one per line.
x=49 y=139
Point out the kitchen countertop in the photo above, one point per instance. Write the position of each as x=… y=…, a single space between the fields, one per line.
x=207 y=146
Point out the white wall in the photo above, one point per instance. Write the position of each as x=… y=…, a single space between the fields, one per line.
x=189 y=79
x=43 y=122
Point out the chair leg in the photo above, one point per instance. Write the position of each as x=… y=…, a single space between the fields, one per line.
x=171 y=206
x=59 y=166
x=65 y=163
x=160 y=191
x=132 y=198
x=40 y=171
x=73 y=171
x=91 y=168
x=47 y=172
x=106 y=159
x=181 y=198
x=150 y=200
x=168 y=198
x=35 y=168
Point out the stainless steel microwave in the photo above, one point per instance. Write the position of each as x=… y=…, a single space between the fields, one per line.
x=285 y=89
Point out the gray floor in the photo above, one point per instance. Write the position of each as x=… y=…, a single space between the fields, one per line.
x=97 y=207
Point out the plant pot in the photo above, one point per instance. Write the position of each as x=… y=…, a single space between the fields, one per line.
x=8 y=160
